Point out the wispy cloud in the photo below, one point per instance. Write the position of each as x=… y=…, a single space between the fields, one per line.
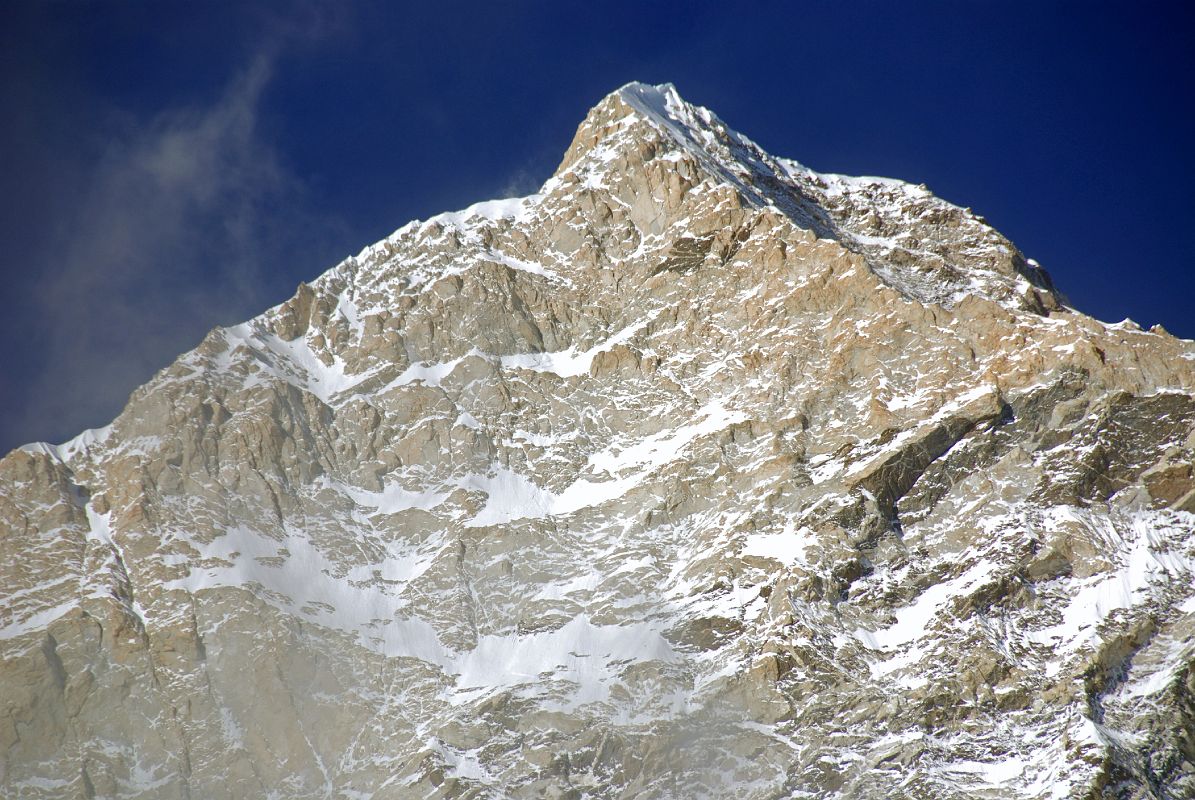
x=189 y=220
x=521 y=182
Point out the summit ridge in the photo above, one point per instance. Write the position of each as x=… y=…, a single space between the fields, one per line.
x=696 y=473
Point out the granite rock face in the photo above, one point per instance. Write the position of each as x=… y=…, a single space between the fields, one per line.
x=696 y=474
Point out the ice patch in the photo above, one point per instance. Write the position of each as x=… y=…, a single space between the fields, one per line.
x=1144 y=561
x=347 y=309
x=293 y=362
x=824 y=467
x=515 y=208
x=512 y=496
x=994 y=773
x=570 y=363
x=523 y=265
x=298 y=578
x=38 y=620
x=85 y=441
x=393 y=498
x=912 y=621
x=786 y=546
x=430 y=373
x=591 y=656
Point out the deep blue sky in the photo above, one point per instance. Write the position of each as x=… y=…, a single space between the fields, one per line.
x=168 y=167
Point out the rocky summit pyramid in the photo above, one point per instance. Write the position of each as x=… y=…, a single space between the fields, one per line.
x=696 y=474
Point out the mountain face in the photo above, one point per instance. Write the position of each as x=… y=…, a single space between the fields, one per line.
x=696 y=474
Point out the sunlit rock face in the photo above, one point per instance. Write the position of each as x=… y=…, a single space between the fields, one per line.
x=696 y=474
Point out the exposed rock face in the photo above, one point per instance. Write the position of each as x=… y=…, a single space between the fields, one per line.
x=698 y=474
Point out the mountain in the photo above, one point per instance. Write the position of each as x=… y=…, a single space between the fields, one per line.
x=696 y=474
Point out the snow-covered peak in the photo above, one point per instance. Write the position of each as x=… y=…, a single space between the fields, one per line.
x=640 y=112
x=520 y=499
x=649 y=98
x=642 y=138
x=663 y=105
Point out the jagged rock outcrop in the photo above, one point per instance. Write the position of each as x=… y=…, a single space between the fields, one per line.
x=696 y=474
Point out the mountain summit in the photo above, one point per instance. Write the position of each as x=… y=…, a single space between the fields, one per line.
x=696 y=474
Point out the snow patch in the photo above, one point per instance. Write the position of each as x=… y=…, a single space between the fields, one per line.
x=84 y=442
x=512 y=496
x=913 y=621
x=591 y=656
x=786 y=546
